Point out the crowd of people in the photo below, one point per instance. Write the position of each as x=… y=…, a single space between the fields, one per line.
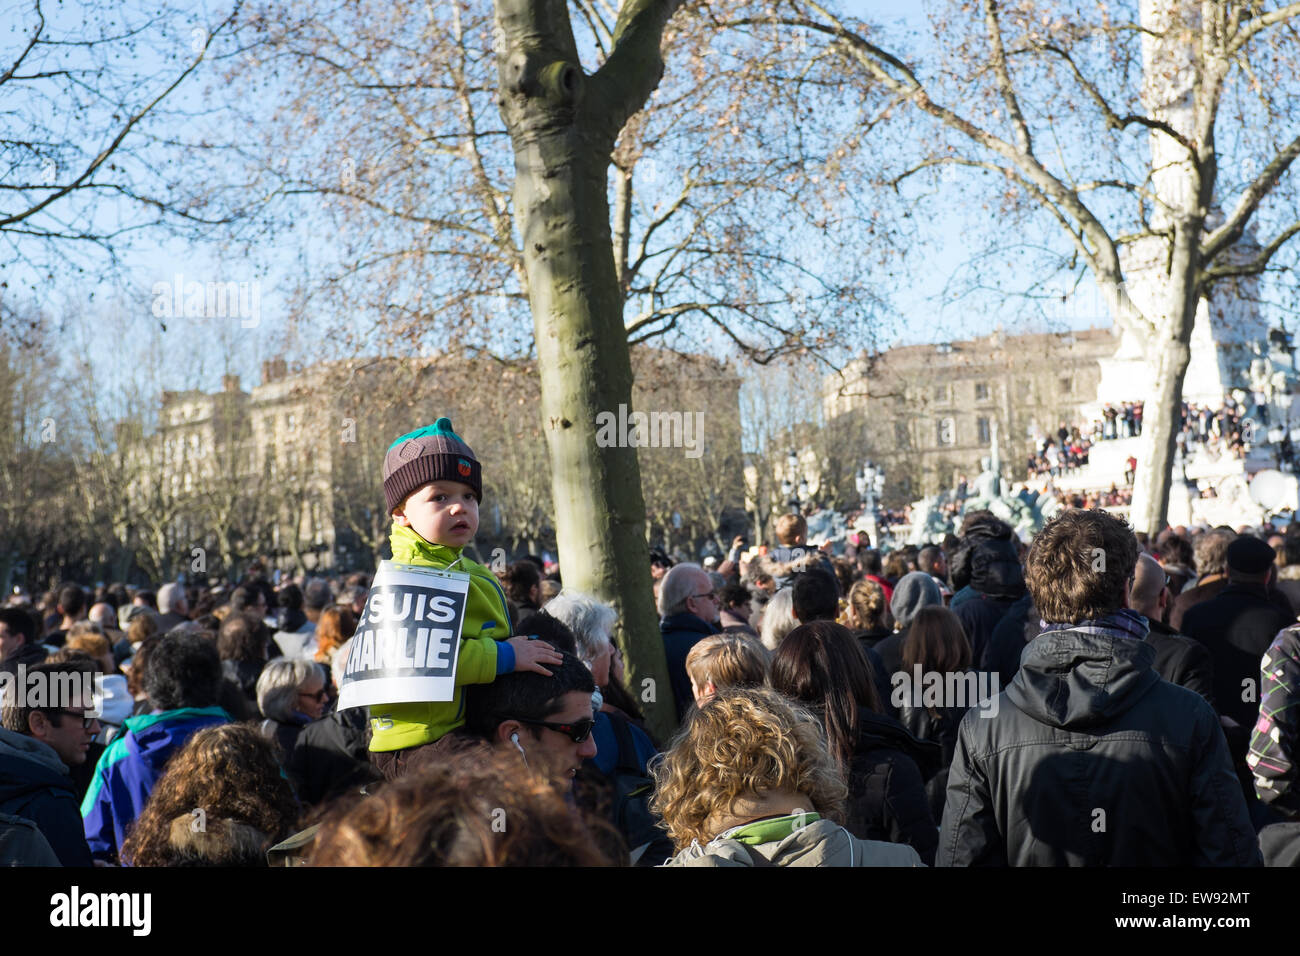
x=864 y=709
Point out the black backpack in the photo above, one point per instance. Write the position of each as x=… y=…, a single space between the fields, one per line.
x=641 y=827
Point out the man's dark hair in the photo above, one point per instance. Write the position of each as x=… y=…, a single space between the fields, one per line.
x=72 y=600
x=534 y=559
x=1178 y=550
x=65 y=674
x=242 y=598
x=519 y=579
x=184 y=671
x=20 y=622
x=928 y=558
x=243 y=637
x=523 y=695
x=736 y=594
x=148 y=598
x=870 y=561
x=816 y=596
x=1078 y=565
x=291 y=597
x=549 y=629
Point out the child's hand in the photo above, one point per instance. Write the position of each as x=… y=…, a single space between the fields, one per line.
x=531 y=655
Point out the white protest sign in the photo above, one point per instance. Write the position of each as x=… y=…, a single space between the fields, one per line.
x=406 y=644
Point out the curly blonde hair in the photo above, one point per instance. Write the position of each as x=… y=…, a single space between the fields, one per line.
x=867 y=598
x=741 y=744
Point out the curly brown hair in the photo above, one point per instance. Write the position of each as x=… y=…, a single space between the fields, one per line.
x=1078 y=564
x=230 y=773
x=473 y=808
x=741 y=744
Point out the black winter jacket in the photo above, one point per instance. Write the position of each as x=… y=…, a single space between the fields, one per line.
x=34 y=785
x=887 y=799
x=1093 y=760
x=331 y=756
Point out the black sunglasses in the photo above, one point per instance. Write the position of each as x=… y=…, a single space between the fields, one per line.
x=578 y=731
x=86 y=722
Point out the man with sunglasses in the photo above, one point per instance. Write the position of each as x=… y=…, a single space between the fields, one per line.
x=546 y=720
x=38 y=745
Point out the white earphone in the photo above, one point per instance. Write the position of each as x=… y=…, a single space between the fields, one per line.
x=514 y=739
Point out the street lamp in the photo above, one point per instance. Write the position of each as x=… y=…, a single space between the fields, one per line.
x=870 y=482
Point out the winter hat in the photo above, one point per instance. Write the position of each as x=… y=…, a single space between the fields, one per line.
x=1250 y=556
x=432 y=453
x=914 y=590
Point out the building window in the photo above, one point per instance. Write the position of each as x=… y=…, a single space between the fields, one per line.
x=982 y=426
x=901 y=438
x=943 y=394
x=946 y=433
x=1024 y=389
x=1067 y=384
x=981 y=391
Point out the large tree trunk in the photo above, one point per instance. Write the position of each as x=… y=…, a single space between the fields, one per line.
x=563 y=125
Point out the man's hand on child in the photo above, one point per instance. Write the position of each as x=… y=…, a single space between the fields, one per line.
x=530 y=655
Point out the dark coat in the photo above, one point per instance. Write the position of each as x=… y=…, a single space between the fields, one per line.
x=681 y=632
x=1207 y=592
x=1093 y=760
x=1236 y=627
x=1018 y=627
x=1182 y=661
x=34 y=785
x=939 y=727
x=887 y=799
x=29 y=655
x=331 y=756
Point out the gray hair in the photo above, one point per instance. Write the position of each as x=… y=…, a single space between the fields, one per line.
x=1212 y=551
x=677 y=586
x=277 y=687
x=171 y=597
x=778 y=619
x=591 y=621
x=103 y=615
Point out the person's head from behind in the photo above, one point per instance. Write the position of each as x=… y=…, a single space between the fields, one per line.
x=223 y=776
x=743 y=746
x=1079 y=566
x=542 y=626
x=17 y=628
x=822 y=666
x=465 y=810
x=433 y=485
x=1177 y=550
x=243 y=637
x=289 y=690
x=248 y=600
x=778 y=619
x=687 y=589
x=171 y=599
x=791 y=531
x=72 y=602
x=815 y=596
x=523 y=584
x=931 y=560
x=336 y=625
x=545 y=720
x=1251 y=562
x=914 y=591
x=183 y=671
x=868 y=610
x=720 y=661
x=1148 y=594
x=936 y=642
x=1212 y=551
x=87 y=638
x=592 y=623
x=870 y=561
x=102 y=614
x=61 y=723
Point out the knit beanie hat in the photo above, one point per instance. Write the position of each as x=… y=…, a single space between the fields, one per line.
x=432 y=453
x=913 y=591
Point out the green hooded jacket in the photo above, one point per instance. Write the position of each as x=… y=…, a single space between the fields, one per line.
x=398 y=726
